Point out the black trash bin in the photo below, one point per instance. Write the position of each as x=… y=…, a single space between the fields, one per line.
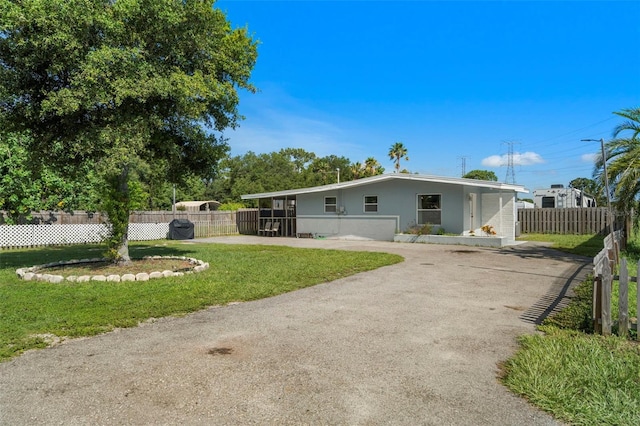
x=181 y=229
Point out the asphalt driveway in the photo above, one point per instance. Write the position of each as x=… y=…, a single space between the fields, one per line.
x=418 y=342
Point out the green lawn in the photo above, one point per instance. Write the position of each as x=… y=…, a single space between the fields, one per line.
x=584 y=245
x=31 y=312
x=579 y=377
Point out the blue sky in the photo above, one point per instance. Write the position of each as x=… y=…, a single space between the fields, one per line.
x=456 y=82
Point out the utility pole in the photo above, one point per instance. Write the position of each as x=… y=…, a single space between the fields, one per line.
x=174 y=202
x=606 y=180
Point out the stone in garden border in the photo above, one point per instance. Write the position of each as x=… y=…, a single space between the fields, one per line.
x=34 y=273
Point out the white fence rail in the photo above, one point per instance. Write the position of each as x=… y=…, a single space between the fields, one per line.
x=16 y=236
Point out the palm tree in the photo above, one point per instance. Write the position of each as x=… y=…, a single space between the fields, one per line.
x=396 y=153
x=357 y=170
x=623 y=162
x=372 y=167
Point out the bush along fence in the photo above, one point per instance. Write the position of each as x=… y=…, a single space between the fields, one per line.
x=604 y=266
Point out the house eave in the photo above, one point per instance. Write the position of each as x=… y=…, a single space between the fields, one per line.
x=389 y=176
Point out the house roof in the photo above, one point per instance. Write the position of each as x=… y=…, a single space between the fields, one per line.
x=388 y=177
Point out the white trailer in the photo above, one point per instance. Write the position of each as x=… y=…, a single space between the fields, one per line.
x=560 y=197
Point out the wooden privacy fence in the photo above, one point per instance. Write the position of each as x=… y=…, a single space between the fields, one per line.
x=581 y=220
x=604 y=266
x=206 y=224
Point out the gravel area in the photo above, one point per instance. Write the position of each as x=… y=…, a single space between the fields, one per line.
x=418 y=342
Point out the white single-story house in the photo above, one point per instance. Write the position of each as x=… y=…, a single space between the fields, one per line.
x=382 y=206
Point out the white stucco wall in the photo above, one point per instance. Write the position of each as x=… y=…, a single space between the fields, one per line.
x=464 y=208
x=369 y=227
x=498 y=210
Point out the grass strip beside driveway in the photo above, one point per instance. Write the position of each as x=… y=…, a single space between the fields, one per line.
x=33 y=314
x=580 y=378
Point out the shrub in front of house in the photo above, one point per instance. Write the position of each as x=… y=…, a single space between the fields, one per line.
x=426 y=229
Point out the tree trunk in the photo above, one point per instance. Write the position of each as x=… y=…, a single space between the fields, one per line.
x=123 y=188
x=123 y=250
x=117 y=207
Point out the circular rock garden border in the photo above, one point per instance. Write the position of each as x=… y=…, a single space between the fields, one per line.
x=33 y=273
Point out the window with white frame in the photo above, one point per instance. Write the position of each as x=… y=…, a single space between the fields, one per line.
x=370 y=203
x=330 y=204
x=429 y=209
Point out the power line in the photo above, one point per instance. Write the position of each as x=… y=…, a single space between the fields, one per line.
x=572 y=132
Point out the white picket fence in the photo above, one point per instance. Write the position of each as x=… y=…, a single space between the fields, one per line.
x=17 y=236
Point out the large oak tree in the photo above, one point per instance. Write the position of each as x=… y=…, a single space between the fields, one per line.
x=122 y=84
x=481 y=175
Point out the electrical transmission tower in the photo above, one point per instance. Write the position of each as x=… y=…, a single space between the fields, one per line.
x=463 y=165
x=511 y=173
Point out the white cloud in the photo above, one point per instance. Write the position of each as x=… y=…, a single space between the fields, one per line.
x=519 y=159
x=493 y=161
x=589 y=158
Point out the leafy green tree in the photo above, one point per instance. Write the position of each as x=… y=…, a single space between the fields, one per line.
x=288 y=168
x=299 y=158
x=231 y=206
x=481 y=175
x=254 y=173
x=623 y=162
x=24 y=188
x=19 y=194
x=590 y=187
x=396 y=153
x=324 y=170
x=120 y=84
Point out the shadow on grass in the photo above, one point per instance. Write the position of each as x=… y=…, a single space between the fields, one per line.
x=591 y=247
x=30 y=257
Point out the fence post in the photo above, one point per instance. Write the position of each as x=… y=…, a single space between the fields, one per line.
x=607 y=281
x=597 y=305
x=611 y=256
x=623 y=299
